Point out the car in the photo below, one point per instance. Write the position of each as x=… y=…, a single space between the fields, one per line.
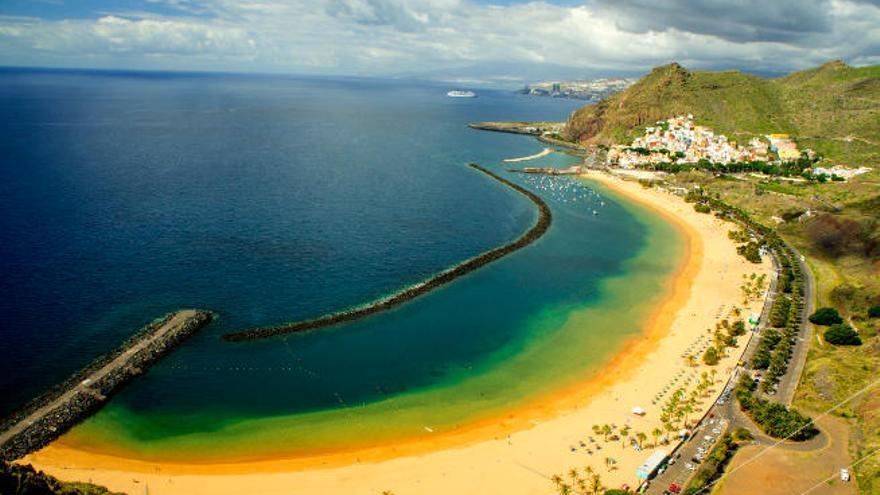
x=708 y=438
x=671 y=461
x=716 y=430
x=674 y=488
x=689 y=466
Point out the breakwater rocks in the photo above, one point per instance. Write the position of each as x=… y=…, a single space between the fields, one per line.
x=47 y=417
x=545 y=217
x=547 y=132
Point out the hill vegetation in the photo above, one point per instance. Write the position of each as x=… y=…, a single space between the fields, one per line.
x=833 y=108
x=24 y=480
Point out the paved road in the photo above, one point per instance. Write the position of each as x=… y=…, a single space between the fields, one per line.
x=789 y=382
x=175 y=323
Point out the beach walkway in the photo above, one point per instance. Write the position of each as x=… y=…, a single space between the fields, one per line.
x=51 y=415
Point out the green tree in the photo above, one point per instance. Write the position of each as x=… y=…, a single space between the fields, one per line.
x=641 y=437
x=711 y=357
x=656 y=433
x=826 y=316
x=842 y=334
x=606 y=430
x=596 y=484
x=874 y=311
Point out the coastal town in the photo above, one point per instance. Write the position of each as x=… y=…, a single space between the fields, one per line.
x=679 y=140
x=585 y=89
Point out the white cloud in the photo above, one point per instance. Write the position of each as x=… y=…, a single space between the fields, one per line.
x=389 y=36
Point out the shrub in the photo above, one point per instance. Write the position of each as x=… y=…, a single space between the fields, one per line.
x=825 y=316
x=738 y=328
x=773 y=418
x=702 y=208
x=791 y=214
x=711 y=357
x=750 y=251
x=874 y=311
x=841 y=334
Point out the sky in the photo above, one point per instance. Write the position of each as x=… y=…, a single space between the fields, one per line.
x=477 y=41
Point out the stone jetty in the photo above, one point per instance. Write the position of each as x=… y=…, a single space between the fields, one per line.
x=545 y=217
x=49 y=416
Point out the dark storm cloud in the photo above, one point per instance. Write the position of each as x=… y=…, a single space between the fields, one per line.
x=739 y=21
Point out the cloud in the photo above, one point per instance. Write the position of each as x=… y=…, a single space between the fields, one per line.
x=380 y=37
x=744 y=21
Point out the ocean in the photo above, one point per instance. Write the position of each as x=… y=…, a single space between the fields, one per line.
x=267 y=199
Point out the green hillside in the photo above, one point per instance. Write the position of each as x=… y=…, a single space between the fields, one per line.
x=833 y=108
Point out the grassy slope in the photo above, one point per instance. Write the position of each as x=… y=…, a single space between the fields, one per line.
x=833 y=108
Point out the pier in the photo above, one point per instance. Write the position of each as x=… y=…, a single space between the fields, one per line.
x=545 y=217
x=49 y=416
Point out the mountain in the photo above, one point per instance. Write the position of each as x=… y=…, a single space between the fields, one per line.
x=834 y=104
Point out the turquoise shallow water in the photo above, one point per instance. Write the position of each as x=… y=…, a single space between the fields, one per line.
x=272 y=199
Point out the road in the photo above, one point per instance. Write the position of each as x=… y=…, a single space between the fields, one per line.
x=789 y=382
x=726 y=415
x=175 y=323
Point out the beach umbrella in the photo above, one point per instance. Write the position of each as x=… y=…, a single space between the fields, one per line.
x=638 y=411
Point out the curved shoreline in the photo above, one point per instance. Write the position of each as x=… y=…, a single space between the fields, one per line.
x=534 y=436
x=622 y=367
x=545 y=218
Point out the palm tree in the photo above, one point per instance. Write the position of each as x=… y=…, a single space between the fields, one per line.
x=606 y=430
x=685 y=410
x=573 y=474
x=597 y=430
x=657 y=433
x=609 y=462
x=561 y=487
x=596 y=484
x=691 y=360
x=624 y=432
x=641 y=437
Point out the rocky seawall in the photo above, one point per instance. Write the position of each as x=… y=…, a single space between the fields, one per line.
x=545 y=217
x=50 y=415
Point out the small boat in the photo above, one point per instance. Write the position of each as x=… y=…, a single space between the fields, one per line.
x=461 y=94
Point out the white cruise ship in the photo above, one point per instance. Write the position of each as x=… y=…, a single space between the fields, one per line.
x=461 y=94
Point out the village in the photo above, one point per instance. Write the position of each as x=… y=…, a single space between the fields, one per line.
x=679 y=140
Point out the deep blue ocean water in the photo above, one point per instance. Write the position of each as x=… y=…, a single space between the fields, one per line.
x=269 y=199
